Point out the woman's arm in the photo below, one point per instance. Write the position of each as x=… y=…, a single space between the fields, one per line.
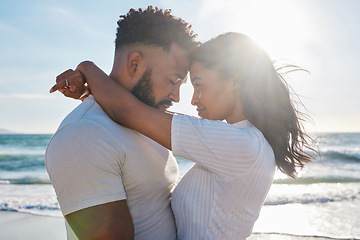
x=120 y=104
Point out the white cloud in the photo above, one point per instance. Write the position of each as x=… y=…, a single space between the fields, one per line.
x=68 y=18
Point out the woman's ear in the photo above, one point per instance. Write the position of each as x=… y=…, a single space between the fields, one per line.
x=134 y=60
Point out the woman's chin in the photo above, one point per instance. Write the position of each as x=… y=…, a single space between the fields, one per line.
x=203 y=116
x=201 y=113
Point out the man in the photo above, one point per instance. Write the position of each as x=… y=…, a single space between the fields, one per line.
x=112 y=182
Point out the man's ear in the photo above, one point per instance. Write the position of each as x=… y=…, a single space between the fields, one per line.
x=134 y=60
x=235 y=83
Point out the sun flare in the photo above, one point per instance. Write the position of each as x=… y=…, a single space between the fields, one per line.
x=280 y=27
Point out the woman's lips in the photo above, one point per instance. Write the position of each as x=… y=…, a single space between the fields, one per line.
x=200 y=110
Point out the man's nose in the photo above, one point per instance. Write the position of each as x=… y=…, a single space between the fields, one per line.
x=175 y=93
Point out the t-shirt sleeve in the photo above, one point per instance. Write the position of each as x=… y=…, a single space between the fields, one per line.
x=222 y=148
x=84 y=163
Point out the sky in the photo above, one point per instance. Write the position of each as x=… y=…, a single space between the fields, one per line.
x=39 y=39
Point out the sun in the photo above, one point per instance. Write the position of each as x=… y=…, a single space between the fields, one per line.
x=280 y=27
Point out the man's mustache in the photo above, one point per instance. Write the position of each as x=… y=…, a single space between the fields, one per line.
x=164 y=102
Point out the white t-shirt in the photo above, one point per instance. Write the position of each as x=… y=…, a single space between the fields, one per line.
x=221 y=196
x=92 y=160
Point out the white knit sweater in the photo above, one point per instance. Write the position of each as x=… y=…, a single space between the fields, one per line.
x=221 y=196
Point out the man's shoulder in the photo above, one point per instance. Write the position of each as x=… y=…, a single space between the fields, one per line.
x=90 y=117
x=83 y=134
x=87 y=110
x=82 y=128
x=81 y=145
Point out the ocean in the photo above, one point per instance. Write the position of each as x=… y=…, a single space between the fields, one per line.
x=323 y=201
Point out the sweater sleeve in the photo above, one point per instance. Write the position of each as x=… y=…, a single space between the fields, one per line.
x=222 y=148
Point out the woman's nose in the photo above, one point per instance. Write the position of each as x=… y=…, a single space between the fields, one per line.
x=195 y=98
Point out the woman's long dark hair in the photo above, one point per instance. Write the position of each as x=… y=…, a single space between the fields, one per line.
x=264 y=96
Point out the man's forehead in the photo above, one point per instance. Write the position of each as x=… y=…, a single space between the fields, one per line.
x=175 y=61
x=181 y=59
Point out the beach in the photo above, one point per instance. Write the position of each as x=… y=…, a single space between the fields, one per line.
x=19 y=226
x=322 y=203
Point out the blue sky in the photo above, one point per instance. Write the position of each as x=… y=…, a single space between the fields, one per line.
x=40 y=39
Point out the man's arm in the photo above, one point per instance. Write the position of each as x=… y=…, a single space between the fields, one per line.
x=106 y=221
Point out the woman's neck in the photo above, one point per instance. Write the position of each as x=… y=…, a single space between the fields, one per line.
x=236 y=115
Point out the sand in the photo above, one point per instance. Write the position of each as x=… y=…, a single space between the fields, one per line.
x=20 y=226
x=270 y=236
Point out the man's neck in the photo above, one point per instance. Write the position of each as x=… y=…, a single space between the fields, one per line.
x=117 y=76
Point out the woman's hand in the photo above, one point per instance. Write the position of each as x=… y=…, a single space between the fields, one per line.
x=72 y=84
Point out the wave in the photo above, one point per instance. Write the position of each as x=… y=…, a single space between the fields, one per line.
x=38 y=209
x=18 y=162
x=318 y=194
x=312 y=180
x=310 y=200
x=284 y=236
x=341 y=155
x=25 y=180
x=38 y=199
x=19 y=150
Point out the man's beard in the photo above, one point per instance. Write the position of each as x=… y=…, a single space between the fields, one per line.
x=143 y=90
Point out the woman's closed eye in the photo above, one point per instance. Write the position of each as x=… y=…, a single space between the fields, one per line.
x=197 y=85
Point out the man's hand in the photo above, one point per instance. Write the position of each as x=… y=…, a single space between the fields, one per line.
x=72 y=84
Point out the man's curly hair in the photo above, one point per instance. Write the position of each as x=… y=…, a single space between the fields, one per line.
x=154 y=26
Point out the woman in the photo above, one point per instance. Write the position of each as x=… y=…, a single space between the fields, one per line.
x=234 y=80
